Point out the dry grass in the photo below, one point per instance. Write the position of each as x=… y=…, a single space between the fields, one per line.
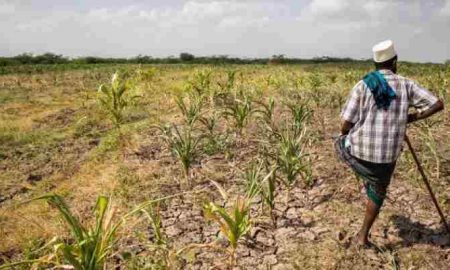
x=55 y=138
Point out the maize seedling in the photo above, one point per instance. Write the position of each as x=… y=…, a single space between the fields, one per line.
x=182 y=144
x=115 y=98
x=234 y=223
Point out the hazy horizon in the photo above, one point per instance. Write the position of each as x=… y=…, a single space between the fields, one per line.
x=245 y=29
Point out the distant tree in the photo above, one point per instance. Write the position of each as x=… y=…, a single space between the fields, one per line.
x=141 y=59
x=186 y=57
x=49 y=58
x=277 y=59
x=24 y=58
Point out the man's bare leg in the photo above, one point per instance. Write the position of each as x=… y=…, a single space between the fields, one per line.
x=372 y=211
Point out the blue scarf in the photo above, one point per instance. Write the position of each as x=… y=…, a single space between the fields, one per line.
x=381 y=91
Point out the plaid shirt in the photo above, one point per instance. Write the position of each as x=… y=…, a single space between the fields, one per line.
x=378 y=134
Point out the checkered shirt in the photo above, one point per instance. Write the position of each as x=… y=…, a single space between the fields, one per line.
x=378 y=134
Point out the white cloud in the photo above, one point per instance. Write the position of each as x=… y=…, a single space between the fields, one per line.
x=326 y=7
x=243 y=28
x=6 y=8
x=445 y=11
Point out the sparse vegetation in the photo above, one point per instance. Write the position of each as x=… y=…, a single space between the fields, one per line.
x=259 y=133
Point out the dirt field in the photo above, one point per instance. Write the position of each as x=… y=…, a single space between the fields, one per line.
x=55 y=137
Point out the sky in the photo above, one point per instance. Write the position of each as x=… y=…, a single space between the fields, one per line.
x=420 y=29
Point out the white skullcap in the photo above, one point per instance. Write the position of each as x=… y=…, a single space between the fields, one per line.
x=383 y=51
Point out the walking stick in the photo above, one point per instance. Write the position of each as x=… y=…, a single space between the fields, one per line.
x=424 y=177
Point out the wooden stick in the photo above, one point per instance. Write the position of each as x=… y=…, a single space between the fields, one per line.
x=427 y=184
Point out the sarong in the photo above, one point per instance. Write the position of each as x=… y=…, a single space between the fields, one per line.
x=375 y=176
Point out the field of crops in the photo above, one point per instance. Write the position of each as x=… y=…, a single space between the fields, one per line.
x=205 y=167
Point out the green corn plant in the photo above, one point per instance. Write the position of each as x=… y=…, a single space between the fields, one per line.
x=234 y=223
x=182 y=144
x=229 y=84
x=260 y=181
x=153 y=215
x=201 y=82
x=223 y=94
x=91 y=246
x=268 y=192
x=115 y=98
x=191 y=110
x=266 y=112
x=301 y=115
x=216 y=141
x=210 y=123
x=291 y=158
x=315 y=81
x=255 y=178
x=145 y=75
x=240 y=111
x=333 y=78
x=337 y=98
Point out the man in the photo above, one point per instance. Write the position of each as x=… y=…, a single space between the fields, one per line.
x=373 y=128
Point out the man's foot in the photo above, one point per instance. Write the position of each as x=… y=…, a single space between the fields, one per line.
x=362 y=241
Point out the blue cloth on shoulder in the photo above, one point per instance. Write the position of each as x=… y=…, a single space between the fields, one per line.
x=381 y=91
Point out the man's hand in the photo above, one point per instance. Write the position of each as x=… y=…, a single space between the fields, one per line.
x=346 y=127
x=438 y=106
x=412 y=117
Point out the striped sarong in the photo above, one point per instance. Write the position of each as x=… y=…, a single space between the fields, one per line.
x=375 y=176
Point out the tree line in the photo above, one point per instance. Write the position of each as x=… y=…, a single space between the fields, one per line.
x=183 y=58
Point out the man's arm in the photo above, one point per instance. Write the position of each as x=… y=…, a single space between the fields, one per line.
x=350 y=112
x=436 y=107
x=346 y=126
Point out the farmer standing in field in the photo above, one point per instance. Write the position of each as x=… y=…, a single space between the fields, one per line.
x=373 y=127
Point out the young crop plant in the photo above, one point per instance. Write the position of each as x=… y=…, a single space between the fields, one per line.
x=89 y=248
x=145 y=75
x=260 y=181
x=221 y=97
x=191 y=110
x=255 y=178
x=210 y=123
x=240 y=110
x=116 y=97
x=153 y=215
x=292 y=159
x=183 y=145
x=268 y=192
x=337 y=98
x=215 y=141
x=230 y=82
x=266 y=112
x=201 y=82
x=234 y=222
x=301 y=115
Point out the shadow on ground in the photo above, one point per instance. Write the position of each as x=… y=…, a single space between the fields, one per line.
x=412 y=233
